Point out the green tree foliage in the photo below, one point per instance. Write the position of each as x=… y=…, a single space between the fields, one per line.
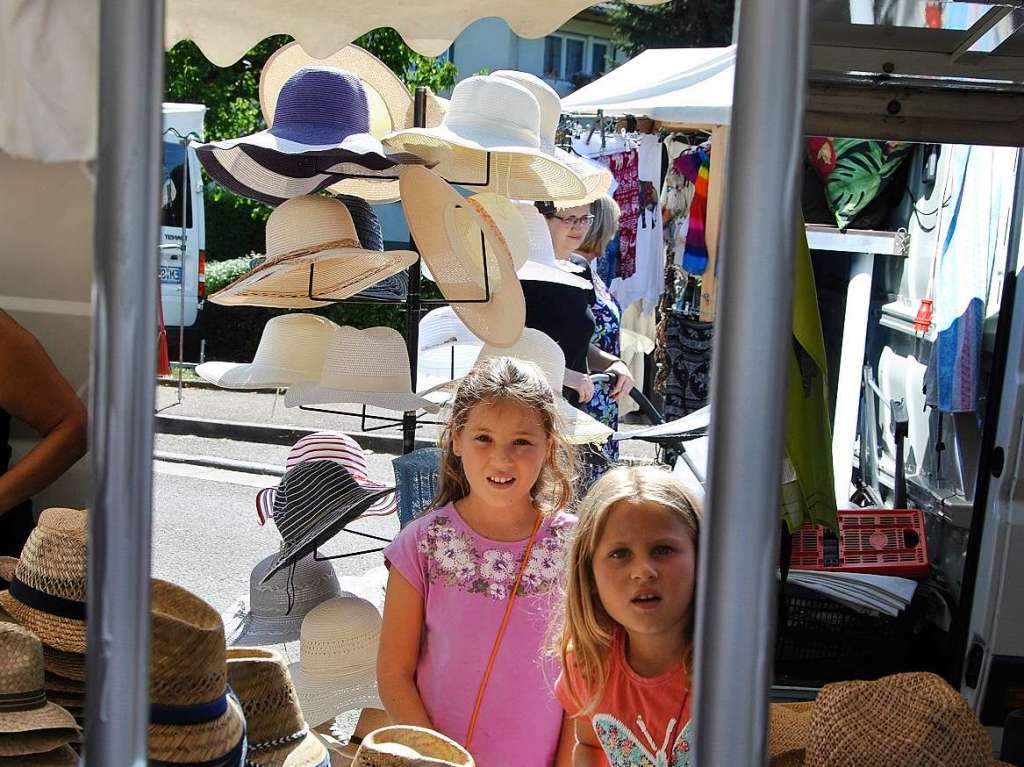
x=675 y=24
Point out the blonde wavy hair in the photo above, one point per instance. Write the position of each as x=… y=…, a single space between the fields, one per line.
x=501 y=380
x=604 y=227
x=585 y=629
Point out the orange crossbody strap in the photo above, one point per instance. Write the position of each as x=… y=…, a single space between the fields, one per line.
x=500 y=635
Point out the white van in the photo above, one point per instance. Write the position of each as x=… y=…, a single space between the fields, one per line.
x=183 y=219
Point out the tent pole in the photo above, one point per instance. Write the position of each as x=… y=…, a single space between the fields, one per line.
x=123 y=373
x=739 y=546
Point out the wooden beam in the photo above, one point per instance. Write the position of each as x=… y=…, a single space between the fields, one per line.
x=713 y=222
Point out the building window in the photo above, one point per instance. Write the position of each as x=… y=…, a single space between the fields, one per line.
x=553 y=57
x=566 y=56
x=598 y=57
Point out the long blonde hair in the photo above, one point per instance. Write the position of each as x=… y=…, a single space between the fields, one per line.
x=604 y=227
x=505 y=379
x=586 y=629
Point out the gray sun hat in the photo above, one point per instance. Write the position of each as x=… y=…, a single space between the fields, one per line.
x=264 y=618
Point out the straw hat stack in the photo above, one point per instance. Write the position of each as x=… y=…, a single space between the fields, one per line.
x=47 y=596
x=33 y=729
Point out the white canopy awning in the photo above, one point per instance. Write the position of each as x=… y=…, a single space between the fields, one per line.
x=683 y=86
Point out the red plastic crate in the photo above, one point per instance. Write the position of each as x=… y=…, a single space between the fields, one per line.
x=880 y=541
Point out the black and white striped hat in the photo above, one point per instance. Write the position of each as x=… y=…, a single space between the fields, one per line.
x=314 y=502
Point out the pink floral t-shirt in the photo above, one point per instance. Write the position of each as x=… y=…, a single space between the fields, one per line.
x=465 y=580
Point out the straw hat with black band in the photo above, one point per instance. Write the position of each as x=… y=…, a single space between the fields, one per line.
x=454 y=235
x=390 y=104
x=47 y=594
x=194 y=717
x=278 y=735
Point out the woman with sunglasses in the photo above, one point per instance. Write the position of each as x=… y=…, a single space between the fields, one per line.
x=585 y=324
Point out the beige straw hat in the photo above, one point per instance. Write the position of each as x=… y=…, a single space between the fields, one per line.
x=595 y=177
x=47 y=592
x=903 y=720
x=490 y=141
x=454 y=234
x=193 y=719
x=390 y=102
x=291 y=351
x=337 y=668
x=56 y=683
x=313 y=258
x=407 y=746
x=62 y=756
x=367 y=367
x=24 y=707
x=65 y=664
x=278 y=735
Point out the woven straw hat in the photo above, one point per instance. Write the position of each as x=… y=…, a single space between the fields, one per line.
x=24 y=707
x=337 y=668
x=62 y=666
x=320 y=135
x=278 y=735
x=62 y=756
x=389 y=101
x=367 y=367
x=447 y=348
x=291 y=350
x=314 y=502
x=490 y=140
x=407 y=746
x=542 y=265
x=595 y=177
x=273 y=611
x=329 y=446
x=314 y=257
x=193 y=718
x=47 y=593
x=454 y=234
x=903 y=720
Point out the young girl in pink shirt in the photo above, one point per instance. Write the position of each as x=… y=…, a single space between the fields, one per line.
x=474 y=582
x=626 y=640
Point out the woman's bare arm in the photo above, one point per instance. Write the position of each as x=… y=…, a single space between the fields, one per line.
x=399 y=653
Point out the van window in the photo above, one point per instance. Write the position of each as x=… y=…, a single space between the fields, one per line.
x=174 y=187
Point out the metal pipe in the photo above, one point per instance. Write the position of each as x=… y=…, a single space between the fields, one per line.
x=739 y=549
x=412 y=301
x=125 y=264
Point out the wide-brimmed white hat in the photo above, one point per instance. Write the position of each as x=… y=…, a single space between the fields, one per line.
x=596 y=178
x=320 y=134
x=456 y=236
x=329 y=446
x=489 y=140
x=291 y=350
x=363 y=367
x=337 y=668
x=447 y=349
x=314 y=257
x=389 y=101
x=542 y=266
x=539 y=348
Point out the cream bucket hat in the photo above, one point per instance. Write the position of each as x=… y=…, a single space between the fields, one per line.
x=489 y=140
x=542 y=265
x=337 y=668
x=447 y=348
x=314 y=257
x=389 y=100
x=595 y=177
x=291 y=350
x=456 y=236
x=366 y=367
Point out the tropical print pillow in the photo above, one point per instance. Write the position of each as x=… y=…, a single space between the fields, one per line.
x=854 y=171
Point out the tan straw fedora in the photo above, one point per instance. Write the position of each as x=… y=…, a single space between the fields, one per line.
x=24 y=707
x=407 y=746
x=455 y=234
x=903 y=720
x=62 y=756
x=278 y=736
x=291 y=350
x=489 y=140
x=595 y=177
x=313 y=258
x=366 y=367
x=193 y=719
x=337 y=668
x=389 y=100
x=47 y=592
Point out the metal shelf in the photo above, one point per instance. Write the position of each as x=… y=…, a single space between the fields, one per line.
x=821 y=237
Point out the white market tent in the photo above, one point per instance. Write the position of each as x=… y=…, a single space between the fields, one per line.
x=60 y=59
